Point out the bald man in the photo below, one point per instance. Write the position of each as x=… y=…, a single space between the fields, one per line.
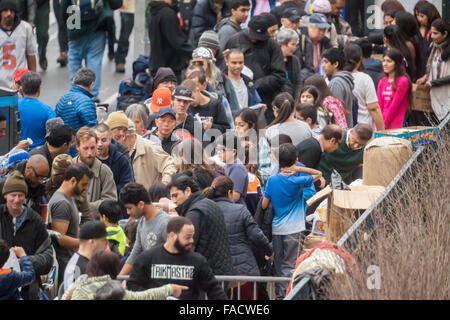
x=36 y=171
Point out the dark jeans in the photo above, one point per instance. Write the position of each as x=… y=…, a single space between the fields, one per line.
x=42 y=25
x=126 y=27
x=62 y=29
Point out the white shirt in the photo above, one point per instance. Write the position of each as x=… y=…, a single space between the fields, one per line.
x=365 y=93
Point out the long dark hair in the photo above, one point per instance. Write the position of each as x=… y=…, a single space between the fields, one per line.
x=220 y=187
x=103 y=263
x=409 y=27
x=353 y=55
x=397 y=57
x=317 y=102
x=398 y=41
x=429 y=10
x=284 y=102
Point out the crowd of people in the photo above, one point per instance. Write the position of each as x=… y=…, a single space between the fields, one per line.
x=249 y=108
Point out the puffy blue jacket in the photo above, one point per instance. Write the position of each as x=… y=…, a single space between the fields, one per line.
x=77 y=109
x=11 y=281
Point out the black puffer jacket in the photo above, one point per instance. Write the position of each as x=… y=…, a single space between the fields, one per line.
x=204 y=17
x=210 y=238
x=265 y=59
x=32 y=236
x=243 y=232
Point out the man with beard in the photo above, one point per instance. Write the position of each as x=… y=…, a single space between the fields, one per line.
x=35 y=170
x=151 y=229
x=63 y=213
x=102 y=185
x=174 y=262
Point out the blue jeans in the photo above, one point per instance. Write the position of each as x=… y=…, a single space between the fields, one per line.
x=89 y=48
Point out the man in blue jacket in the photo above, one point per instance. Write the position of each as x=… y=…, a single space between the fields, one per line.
x=76 y=107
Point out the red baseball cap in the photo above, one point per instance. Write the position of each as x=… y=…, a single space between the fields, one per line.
x=160 y=99
x=19 y=73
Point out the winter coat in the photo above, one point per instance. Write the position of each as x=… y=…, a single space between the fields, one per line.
x=243 y=232
x=167 y=40
x=120 y=165
x=90 y=26
x=84 y=288
x=101 y=187
x=440 y=87
x=11 y=280
x=265 y=59
x=205 y=18
x=292 y=84
x=151 y=164
x=35 y=197
x=210 y=238
x=341 y=85
x=32 y=236
x=77 y=109
x=225 y=30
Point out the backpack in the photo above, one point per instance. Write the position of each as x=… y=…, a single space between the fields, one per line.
x=89 y=9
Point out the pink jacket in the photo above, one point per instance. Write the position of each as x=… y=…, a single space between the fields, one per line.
x=393 y=104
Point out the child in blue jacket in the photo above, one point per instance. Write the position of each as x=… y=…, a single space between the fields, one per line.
x=10 y=280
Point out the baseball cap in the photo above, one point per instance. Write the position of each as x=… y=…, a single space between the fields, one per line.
x=52 y=124
x=258 y=28
x=320 y=20
x=160 y=99
x=19 y=73
x=182 y=93
x=92 y=230
x=292 y=14
x=166 y=110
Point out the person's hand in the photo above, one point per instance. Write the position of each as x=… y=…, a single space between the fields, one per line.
x=207 y=125
x=19 y=252
x=177 y=289
x=265 y=107
x=289 y=171
x=323 y=182
x=428 y=85
x=421 y=80
x=24 y=145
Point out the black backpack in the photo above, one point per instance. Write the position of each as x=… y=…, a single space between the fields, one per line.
x=89 y=9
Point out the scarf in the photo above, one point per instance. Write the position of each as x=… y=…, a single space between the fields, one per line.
x=437 y=50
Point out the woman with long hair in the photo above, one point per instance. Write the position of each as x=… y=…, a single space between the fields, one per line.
x=189 y=155
x=394 y=39
x=242 y=231
x=437 y=77
x=426 y=14
x=409 y=28
x=368 y=109
x=285 y=121
x=394 y=90
x=328 y=101
x=310 y=94
x=248 y=128
x=103 y=267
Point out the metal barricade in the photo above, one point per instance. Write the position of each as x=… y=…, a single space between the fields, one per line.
x=270 y=281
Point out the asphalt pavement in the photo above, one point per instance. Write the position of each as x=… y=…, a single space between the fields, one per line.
x=56 y=79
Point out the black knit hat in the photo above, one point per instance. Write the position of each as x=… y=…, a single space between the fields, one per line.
x=8 y=4
x=92 y=230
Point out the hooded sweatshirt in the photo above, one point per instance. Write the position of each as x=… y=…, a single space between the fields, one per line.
x=341 y=85
x=163 y=74
x=225 y=30
x=168 y=42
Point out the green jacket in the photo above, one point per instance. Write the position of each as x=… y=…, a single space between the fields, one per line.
x=85 y=288
x=93 y=26
x=117 y=239
x=344 y=160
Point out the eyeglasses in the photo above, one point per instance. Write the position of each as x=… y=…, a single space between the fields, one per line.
x=39 y=177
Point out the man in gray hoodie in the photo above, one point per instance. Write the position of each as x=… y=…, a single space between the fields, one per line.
x=227 y=27
x=341 y=82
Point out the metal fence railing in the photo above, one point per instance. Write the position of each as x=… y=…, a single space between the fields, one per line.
x=365 y=220
x=237 y=281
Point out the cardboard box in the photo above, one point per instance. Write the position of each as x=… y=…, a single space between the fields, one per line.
x=417 y=135
x=345 y=207
x=421 y=99
x=383 y=159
